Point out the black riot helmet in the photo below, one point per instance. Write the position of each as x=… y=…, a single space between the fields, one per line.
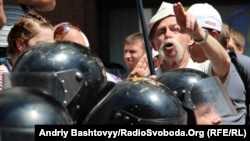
x=71 y=73
x=23 y=108
x=195 y=89
x=138 y=101
x=180 y=81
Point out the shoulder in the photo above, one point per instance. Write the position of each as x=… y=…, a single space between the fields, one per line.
x=243 y=58
x=244 y=61
x=204 y=66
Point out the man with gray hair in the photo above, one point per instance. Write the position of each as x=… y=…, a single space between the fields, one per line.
x=172 y=32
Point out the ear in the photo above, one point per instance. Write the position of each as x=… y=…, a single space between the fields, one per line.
x=214 y=33
x=241 y=50
x=227 y=44
x=153 y=45
x=191 y=41
x=20 y=44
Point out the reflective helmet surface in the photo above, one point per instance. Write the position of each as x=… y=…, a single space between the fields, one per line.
x=138 y=101
x=71 y=73
x=178 y=78
x=197 y=89
x=23 y=108
x=180 y=81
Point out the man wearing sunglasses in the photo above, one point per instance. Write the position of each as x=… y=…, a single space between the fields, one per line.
x=71 y=32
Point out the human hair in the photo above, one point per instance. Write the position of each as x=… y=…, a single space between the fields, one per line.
x=26 y=27
x=224 y=35
x=237 y=37
x=135 y=37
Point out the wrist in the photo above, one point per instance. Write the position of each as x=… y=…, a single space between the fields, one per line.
x=203 y=40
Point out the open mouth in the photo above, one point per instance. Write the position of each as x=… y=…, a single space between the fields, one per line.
x=169 y=45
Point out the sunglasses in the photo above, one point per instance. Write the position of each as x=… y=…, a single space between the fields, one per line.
x=62 y=29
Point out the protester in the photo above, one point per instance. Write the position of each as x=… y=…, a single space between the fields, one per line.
x=134 y=49
x=172 y=32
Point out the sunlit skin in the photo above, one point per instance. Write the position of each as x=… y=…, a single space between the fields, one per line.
x=197 y=54
x=205 y=115
x=173 y=35
x=132 y=54
x=175 y=50
x=157 y=61
x=141 y=68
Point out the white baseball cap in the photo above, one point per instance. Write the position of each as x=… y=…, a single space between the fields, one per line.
x=206 y=15
x=166 y=9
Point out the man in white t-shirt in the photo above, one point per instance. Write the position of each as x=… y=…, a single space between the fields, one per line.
x=172 y=32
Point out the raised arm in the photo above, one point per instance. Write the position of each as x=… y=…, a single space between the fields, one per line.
x=211 y=47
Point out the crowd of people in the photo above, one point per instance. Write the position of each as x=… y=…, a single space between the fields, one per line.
x=193 y=44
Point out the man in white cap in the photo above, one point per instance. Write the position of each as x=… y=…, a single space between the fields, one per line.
x=172 y=31
x=210 y=19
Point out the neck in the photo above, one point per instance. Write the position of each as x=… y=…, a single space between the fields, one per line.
x=13 y=59
x=176 y=64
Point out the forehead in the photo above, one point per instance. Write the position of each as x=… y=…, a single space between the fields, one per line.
x=134 y=45
x=167 y=21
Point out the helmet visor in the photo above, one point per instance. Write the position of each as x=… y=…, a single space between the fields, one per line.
x=209 y=93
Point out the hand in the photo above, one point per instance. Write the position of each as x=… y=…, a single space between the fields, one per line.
x=141 y=69
x=187 y=21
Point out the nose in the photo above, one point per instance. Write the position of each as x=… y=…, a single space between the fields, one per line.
x=168 y=33
x=127 y=55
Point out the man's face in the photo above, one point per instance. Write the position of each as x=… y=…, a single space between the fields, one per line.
x=169 y=40
x=132 y=53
